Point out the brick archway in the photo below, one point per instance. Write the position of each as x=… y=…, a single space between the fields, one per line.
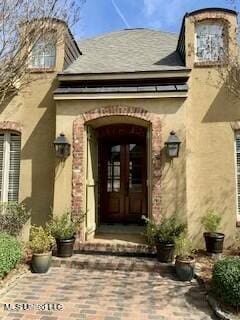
x=78 y=170
x=11 y=126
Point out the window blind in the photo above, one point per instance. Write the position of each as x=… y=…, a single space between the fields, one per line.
x=14 y=167
x=10 y=154
x=238 y=170
x=1 y=162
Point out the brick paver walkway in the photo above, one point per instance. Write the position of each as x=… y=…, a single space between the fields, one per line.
x=106 y=295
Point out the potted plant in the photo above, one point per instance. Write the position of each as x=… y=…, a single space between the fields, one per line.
x=63 y=229
x=40 y=244
x=163 y=235
x=213 y=239
x=184 y=262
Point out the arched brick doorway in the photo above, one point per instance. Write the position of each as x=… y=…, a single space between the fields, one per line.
x=79 y=156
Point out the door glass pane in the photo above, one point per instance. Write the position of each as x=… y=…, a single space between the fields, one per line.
x=135 y=167
x=113 y=174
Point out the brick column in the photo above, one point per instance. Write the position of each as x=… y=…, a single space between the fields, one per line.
x=78 y=170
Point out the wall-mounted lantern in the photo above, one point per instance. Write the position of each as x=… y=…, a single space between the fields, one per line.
x=172 y=145
x=62 y=146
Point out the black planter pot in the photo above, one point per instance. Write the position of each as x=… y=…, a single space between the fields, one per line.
x=214 y=242
x=65 y=247
x=165 y=252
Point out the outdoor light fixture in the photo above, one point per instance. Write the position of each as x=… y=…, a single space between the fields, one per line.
x=62 y=146
x=172 y=145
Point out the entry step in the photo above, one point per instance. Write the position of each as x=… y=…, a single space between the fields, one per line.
x=96 y=262
x=115 y=248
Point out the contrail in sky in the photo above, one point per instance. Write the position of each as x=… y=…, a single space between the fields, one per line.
x=119 y=12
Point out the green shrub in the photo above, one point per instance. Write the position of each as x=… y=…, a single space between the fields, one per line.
x=211 y=221
x=13 y=216
x=226 y=281
x=40 y=240
x=183 y=246
x=64 y=227
x=10 y=253
x=167 y=231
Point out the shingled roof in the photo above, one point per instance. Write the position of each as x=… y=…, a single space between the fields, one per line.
x=129 y=50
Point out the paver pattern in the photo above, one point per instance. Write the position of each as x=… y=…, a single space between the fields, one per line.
x=106 y=295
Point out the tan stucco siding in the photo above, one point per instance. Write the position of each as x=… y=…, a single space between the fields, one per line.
x=211 y=183
x=210 y=109
x=34 y=109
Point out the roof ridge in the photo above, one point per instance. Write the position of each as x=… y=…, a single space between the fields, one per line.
x=124 y=30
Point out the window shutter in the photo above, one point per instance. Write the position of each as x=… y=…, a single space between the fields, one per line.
x=238 y=170
x=1 y=162
x=14 y=167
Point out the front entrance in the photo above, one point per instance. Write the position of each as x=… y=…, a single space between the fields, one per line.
x=122 y=173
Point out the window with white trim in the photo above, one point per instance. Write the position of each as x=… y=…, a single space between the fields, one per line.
x=10 y=152
x=237 y=151
x=43 y=55
x=210 y=42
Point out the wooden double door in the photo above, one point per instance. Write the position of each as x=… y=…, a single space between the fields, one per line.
x=123 y=173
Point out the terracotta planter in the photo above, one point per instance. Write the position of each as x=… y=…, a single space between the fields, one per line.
x=214 y=242
x=185 y=268
x=165 y=252
x=65 y=247
x=41 y=262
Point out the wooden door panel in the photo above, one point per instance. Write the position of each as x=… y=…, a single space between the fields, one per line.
x=122 y=175
x=114 y=206
x=136 y=181
x=135 y=206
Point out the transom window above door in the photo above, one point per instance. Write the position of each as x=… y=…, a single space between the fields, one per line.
x=210 y=43
x=10 y=152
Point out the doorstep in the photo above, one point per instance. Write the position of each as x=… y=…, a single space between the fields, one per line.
x=111 y=262
x=115 y=248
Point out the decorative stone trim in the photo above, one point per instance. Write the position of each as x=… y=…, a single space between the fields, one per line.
x=79 y=139
x=11 y=126
x=212 y=15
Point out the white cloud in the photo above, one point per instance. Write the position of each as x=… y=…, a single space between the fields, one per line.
x=150 y=6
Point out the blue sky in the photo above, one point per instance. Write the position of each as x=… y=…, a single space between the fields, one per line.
x=101 y=16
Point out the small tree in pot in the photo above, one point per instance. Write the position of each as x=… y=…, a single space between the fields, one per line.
x=64 y=229
x=213 y=239
x=40 y=244
x=163 y=235
x=185 y=262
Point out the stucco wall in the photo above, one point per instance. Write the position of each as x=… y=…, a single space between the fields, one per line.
x=34 y=109
x=210 y=161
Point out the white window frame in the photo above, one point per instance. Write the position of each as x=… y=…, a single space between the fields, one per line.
x=237 y=176
x=6 y=166
x=45 y=42
x=208 y=23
